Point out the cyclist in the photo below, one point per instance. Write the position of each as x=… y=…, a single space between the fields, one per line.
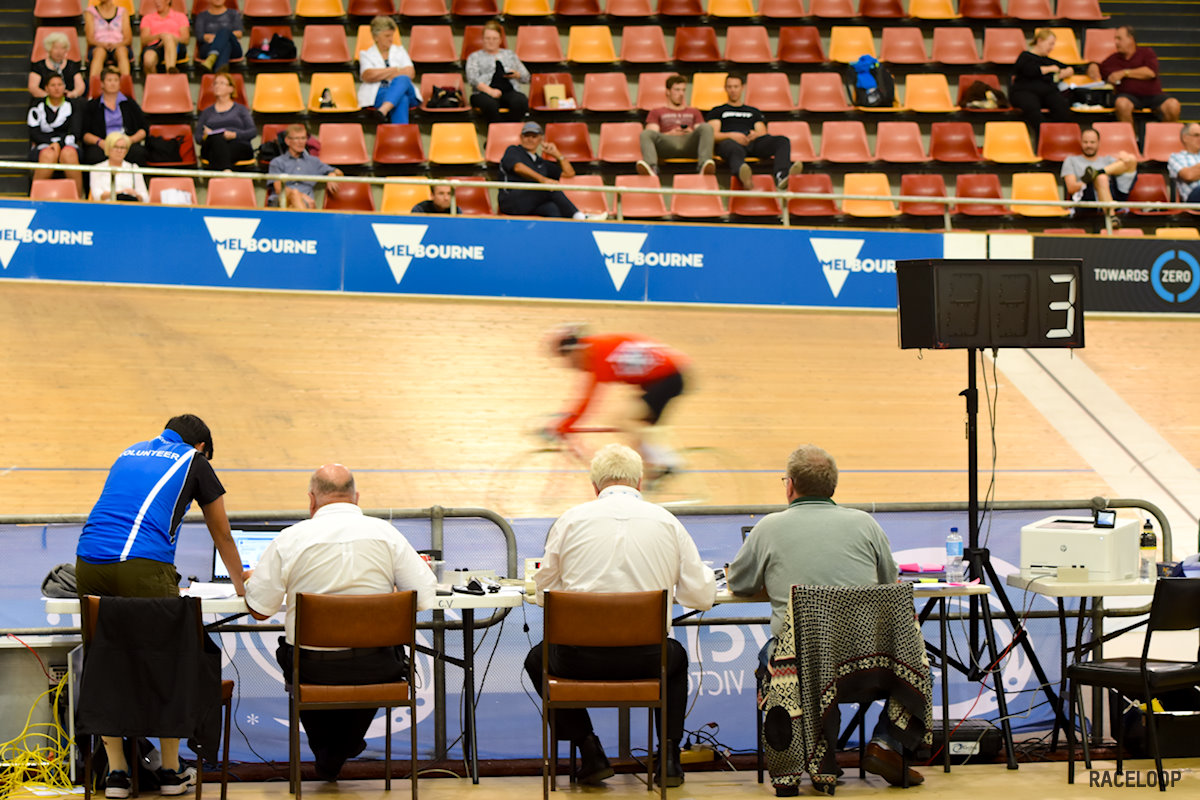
x=651 y=366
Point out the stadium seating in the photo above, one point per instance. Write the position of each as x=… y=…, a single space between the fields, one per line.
x=813 y=183
x=899 y=143
x=431 y=44
x=606 y=92
x=799 y=134
x=954 y=46
x=399 y=198
x=1036 y=186
x=590 y=44
x=349 y=197
x=324 y=44
x=979 y=187
x=397 y=145
x=953 y=143
x=454 y=143
x=800 y=45
x=748 y=44
x=276 y=93
x=1162 y=139
x=53 y=189
x=845 y=142
x=539 y=44
x=769 y=91
x=619 y=142
x=686 y=206
x=903 y=46
x=755 y=207
x=587 y=202
x=1057 y=140
x=572 y=140
x=848 y=42
x=868 y=183
x=922 y=185
x=644 y=44
x=640 y=206
x=822 y=92
x=696 y=45
x=1008 y=143
x=343 y=144
x=227 y=192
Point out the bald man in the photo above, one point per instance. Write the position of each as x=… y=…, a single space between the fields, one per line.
x=338 y=551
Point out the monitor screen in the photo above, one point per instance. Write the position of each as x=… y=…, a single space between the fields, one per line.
x=251 y=541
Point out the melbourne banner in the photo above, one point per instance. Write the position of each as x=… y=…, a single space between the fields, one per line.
x=430 y=255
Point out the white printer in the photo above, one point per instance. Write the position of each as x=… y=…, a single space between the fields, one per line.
x=1108 y=553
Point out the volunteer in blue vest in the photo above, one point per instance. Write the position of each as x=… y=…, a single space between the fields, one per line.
x=127 y=547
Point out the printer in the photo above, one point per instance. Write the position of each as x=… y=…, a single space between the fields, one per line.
x=1108 y=553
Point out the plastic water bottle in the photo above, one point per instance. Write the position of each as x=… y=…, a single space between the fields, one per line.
x=1149 y=553
x=954 y=557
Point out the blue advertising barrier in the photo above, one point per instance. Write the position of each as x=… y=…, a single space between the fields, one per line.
x=484 y=257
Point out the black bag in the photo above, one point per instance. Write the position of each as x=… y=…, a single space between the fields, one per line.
x=983 y=95
x=1092 y=97
x=499 y=81
x=884 y=93
x=164 y=151
x=445 y=97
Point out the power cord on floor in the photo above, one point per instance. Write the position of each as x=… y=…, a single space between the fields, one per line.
x=39 y=757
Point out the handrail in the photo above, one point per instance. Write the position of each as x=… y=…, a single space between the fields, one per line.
x=783 y=196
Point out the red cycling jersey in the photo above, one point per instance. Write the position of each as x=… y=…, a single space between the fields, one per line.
x=621 y=358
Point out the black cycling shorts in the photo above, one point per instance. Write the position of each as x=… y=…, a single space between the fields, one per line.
x=657 y=394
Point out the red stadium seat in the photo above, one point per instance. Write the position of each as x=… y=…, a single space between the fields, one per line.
x=207 y=98
x=1116 y=137
x=979 y=187
x=696 y=45
x=263 y=33
x=832 y=9
x=537 y=89
x=539 y=44
x=781 y=9
x=881 y=9
x=398 y=144
x=1003 y=45
x=187 y=147
x=127 y=87
x=747 y=44
x=57 y=10
x=606 y=92
x=1033 y=10
x=432 y=44
x=231 y=193
x=644 y=44
x=53 y=189
x=1099 y=44
x=1057 y=140
x=578 y=8
x=965 y=82
x=473 y=201
x=816 y=183
x=1150 y=187
x=167 y=94
x=588 y=202
x=343 y=144
x=474 y=8
x=822 y=92
x=981 y=9
x=325 y=44
x=845 y=142
x=756 y=207
x=800 y=45
x=652 y=90
x=690 y=206
x=799 y=134
x=1162 y=139
x=572 y=140
x=922 y=185
x=268 y=9
x=349 y=197
x=371 y=8
x=158 y=185
x=770 y=91
x=953 y=143
x=681 y=8
x=39 y=42
x=954 y=46
x=448 y=80
x=620 y=142
x=899 y=143
x=472 y=40
x=639 y=9
x=640 y=206
x=903 y=46
x=501 y=136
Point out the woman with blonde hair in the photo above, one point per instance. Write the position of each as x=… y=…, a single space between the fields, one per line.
x=1035 y=82
x=116 y=178
x=386 y=74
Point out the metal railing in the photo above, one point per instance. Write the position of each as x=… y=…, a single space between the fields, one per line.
x=782 y=196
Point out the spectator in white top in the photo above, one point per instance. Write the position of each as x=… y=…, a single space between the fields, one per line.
x=116 y=178
x=493 y=75
x=620 y=543
x=387 y=81
x=1184 y=166
x=338 y=551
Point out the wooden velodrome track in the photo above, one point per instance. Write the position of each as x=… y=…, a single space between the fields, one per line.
x=425 y=398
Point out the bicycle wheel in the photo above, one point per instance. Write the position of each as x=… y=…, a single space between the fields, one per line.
x=542 y=482
x=709 y=477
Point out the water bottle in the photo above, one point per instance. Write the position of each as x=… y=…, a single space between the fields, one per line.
x=954 y=557
x=1149 y=553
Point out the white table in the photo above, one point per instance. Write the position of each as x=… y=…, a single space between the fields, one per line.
x=235 y=607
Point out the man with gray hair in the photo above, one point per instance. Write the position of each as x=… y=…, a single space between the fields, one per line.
x=620 y=543
x=1184 y=165
x=816 y=542
x=338 y=551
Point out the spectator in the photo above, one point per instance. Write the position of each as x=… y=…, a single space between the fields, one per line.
x=522 y=164
x=1092 y=177
x=1133 y=71
x=740 y=130
x=164 y=34
x=56 y=63
x=109 y=34
x=218 y=33
x=676 y=130
x=493 y=75
x=113 y=112
x=298 y=161
x=1035 y=82
x=1184 y=166
x=438 y=202
x=386 y=81
x=225 y=129
x=117 y=178
x=53 y=132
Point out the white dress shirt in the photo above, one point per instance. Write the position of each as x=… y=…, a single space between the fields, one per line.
x=371 y=58
x=127 y=178
x=339 y=551
x=621 y=543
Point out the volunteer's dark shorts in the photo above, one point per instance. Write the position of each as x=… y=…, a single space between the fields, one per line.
x=657 y=394
x=137 y=577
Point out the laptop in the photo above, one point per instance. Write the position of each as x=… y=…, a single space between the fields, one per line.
x=251 y=539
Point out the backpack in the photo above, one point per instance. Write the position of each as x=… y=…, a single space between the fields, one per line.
x=874 y=86
x=982 y=95
x=164 y=151
x=445 y=97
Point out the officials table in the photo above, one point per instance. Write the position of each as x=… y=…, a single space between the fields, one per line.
x=234 y=607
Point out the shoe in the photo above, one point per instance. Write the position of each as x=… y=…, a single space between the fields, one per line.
x=667 y=762
x=888 y=765
x=1089 y=176
x=599 y=216
x=377 y=116
x=795 y=169
x=787 y=791
x=117 y=784
x=210 y=61
x=327 y=764
x=172 y=783
x=709 y=167
x=172 y=70
x=644 y=168
x=593 y=764
x=746 y=176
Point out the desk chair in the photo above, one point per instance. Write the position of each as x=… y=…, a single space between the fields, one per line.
x=89 y=608
x=353 y=620
x=593 y=619
x=1176 y=607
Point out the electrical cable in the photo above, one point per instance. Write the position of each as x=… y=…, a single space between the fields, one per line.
x=39 y=756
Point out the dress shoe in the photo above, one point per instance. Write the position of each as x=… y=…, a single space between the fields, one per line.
x=671 y=768
x=889 y=765
x=593 y=764
x=1089 y=176
x=787 y=791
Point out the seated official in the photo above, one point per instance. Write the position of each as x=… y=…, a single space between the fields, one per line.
x=817 y=542
x=440 y=195
x=620 y=543
x=112 y=112
x=338 y=551
x=117 y=178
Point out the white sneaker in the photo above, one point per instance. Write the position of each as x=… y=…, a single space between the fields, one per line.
x=709 y=167
x=172 y=783
x=597 y=217
x=644 y=168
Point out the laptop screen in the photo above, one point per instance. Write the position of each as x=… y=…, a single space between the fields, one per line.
x=251 y=540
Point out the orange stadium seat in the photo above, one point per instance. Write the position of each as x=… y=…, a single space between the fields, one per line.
x=578 y=8
x=231 y=193
x=587 y=202
x=731 y=9
x=748 y=44
x=527 y=8
x=473 y=201
x=689 y=206
x=832 y=9
x=343 y=144
x=848 y=42
x=606 y=92
x=1057 y=140
x=539 y=44
x=800 y=44
x=953 y=143
x=1150 y=187
x=640 y=206
x=899 y=143
x=982 y=9
x=572 y=140
x=167 y=94
x=1066 y=48
x=591 y=44
x=1182 y=232
x=397 y=144
x=187 y=147
x=350 y=197
x=1003 y=45
x=325 y=44
x=696 y=45
x=206 y=93
x=979 y=187
x=620 y=142
x=320 y=9
x=449 y=80
x=644 y=44
x=1123 y=232
x=822 y=92
x=928 y=93
x=454 y=143
x=652 y=90
x=757 y=207
x=53 y=189
x=903 y=46
x=799 y=134
x=431 y=44
x=364 y=41
x=1008 y=143
x=1036 y=186
x=500 y=136
x=932 y=9
x=708 y=90
x=922 y=185
x=770 y=91
x=816 y=183
x=1080 y=10
x=1162 y=139
x=277 y=93
x=868 y=183
x=845 y=142
x=1064 y=232
x=781 y=9
x=159 y=184
x=680 y=8
x=342 y=92
x=537 y=89
x=399 y=198
x=1033 y=10
x=954 y=46
x=1116 y=137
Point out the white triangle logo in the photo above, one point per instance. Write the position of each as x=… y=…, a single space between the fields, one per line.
x=612 y=246
x=834 y=254
x=230 y=235
x=399 y=242
x=16 y=220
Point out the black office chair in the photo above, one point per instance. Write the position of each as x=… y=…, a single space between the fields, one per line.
x=1176 y=607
